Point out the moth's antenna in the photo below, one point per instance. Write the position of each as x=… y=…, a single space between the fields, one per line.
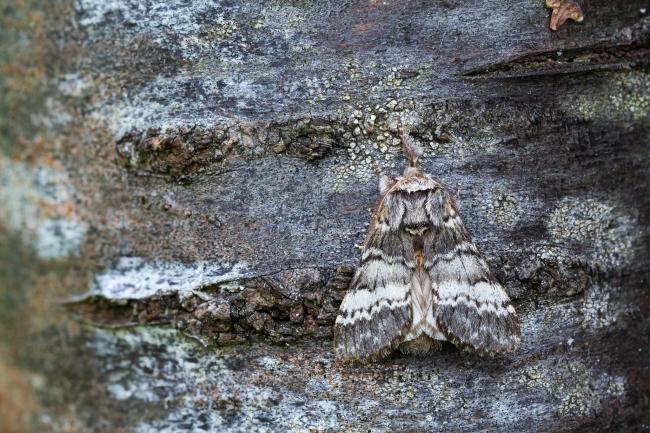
x=411 y=149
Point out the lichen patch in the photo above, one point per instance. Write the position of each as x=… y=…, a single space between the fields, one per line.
x=136 y=278
x=579 y=390
x=598 y=225
x=503 y=208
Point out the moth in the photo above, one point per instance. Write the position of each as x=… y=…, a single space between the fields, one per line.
x=421 y=279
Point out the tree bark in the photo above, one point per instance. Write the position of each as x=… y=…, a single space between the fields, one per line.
x=184 y=185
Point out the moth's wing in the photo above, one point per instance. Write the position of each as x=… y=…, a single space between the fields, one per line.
x=472 y=309
x=376 y=311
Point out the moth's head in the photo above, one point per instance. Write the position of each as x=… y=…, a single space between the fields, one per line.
x=412 y=177
x=412 y=181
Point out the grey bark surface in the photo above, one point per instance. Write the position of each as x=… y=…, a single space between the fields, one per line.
x=185 y=183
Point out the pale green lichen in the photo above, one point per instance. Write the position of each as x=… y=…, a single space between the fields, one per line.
x=598 y=310
x=221 y=29
x=580 y=390
x=371 y=142
x=502 y=208
x=634 y=96
x=626 y=96
x=599 y=226
x=390 y=82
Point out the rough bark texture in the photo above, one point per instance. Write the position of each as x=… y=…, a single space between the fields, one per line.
x=191 y=178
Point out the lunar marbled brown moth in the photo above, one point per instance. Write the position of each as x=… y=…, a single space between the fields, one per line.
x=421 y=279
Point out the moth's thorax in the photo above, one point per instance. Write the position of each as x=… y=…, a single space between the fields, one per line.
x=413 y=181
x=414 y=217
x=412 y=201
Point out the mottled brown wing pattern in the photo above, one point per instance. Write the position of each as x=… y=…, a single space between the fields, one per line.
x=473 y=310
x=421 y=278
x=376 y=311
